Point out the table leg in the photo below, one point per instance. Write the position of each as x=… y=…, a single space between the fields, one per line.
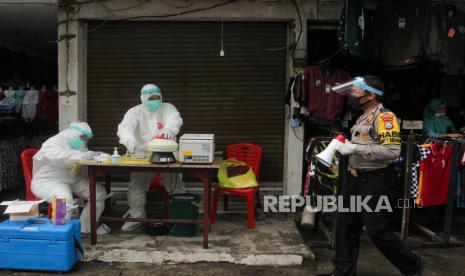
x=93 y=219
x=108 y=189
x=206 y=208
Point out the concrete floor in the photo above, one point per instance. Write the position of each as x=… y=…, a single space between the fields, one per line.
x=275 y=241
x=438 y=261
x=371 y=263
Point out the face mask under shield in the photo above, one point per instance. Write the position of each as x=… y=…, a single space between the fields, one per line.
x=345 y=89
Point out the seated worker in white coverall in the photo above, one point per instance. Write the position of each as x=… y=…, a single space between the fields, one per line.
x=51 y=175
x=140 y=125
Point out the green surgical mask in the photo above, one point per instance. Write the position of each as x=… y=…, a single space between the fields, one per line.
x=76 y=143
x=153 y=105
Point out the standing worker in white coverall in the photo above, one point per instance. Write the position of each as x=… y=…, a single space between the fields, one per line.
x=51 y=175
x=152 y=118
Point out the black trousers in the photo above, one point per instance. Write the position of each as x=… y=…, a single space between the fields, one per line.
x=349 y=227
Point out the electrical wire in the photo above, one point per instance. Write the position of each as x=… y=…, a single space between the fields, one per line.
x=301 y=29
x=167 y=236
x=98 y=27
x=222 y=21
x=180 y=13
x=296 y=136
x=342 y=48
x=154 y=16
x=142 y=2
x=179 y=7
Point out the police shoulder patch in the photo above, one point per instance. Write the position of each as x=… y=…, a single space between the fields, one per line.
x=388 y=129
x=387 y=119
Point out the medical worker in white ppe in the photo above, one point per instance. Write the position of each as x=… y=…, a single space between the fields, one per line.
x=152 y=118
x=51 y=174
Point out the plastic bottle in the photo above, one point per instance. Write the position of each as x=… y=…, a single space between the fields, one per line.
x=115 y=158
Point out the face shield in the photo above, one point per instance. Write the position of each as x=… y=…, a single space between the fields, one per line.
x=150 y=91
x=345 y=89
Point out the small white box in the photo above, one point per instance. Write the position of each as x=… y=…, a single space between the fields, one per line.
x=196 y=148
x=22 y=210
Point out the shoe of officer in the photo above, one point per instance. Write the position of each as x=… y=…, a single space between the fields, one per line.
x=420 y=268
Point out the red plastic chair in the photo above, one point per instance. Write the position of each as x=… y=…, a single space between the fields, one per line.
x=26 y=161
x=156 y=186
x=252 y=155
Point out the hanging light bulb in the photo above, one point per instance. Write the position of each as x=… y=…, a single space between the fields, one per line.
x=222 y=49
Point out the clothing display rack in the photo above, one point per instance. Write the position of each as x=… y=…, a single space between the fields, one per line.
x=444 y=239
x=330 y=231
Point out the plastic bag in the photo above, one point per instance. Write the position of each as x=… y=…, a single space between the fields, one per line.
x=245 y=180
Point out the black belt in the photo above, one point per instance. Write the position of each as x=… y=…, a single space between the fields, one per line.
x=368 y=173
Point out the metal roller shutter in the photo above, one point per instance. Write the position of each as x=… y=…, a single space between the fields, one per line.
x=238 y=97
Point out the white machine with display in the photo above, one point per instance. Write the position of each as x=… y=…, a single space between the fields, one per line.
x=196 y=148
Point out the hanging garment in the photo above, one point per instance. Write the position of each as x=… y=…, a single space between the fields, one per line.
x=49 y=109
x=404 y=31
x=321 y=179
x=460 y=200
x=7 y=105
x=40 y=109
x=451 y=31
x=352 y=28
x=435 y=173
x=30 y=104
x=19 y=96
x=316 y=93
x=414 y=189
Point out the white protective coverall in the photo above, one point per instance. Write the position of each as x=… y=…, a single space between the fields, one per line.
x=51 y=175
x=139 y=126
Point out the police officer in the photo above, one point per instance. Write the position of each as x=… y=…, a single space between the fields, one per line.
x=374 y=144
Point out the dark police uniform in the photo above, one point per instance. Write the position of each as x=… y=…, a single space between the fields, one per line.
x=377 y=135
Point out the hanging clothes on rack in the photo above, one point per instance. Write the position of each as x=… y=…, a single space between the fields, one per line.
x=322 y=103
x=434 y=175
x=352 y=28
x=423 y=153
x=50 y=107
x=30 y=104
x=19 y=96
x=404 y=32
x=40 y=109
x=451 y=34
x=461 y=178
x=320 y=180
x=7 y=105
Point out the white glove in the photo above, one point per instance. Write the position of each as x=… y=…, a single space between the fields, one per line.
x=131 y=146
x=346 y=148
x=166 y=133
x=88 y=155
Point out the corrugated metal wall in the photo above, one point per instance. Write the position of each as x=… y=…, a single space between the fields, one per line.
x=238 y=97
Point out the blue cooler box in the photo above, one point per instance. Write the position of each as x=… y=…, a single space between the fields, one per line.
x=38 y=244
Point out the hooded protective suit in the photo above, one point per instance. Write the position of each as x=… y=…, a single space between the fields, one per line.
x=139 y=126
x=51 y=175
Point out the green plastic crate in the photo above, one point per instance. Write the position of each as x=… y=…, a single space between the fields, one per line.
x=184 y=206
